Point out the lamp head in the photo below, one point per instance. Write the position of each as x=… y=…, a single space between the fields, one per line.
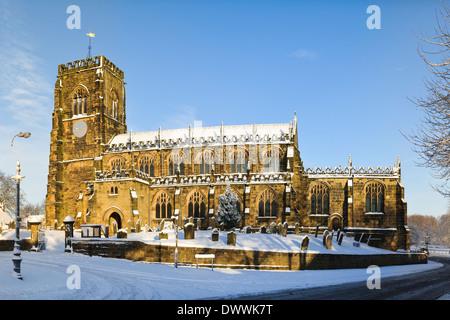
x=24 y=134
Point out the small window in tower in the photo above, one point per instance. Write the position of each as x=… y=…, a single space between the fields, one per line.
x=79 y=102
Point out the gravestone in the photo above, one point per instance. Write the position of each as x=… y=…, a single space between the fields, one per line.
x=297 y=228
x=305 y=243
x=121 y=234
x=317 y=231
x=325 y=234
x=338 y=234
x=138 y=226
x=262 y=229
x=341 y=236
x=231 y=238
x=199 y=224
x=328 y=241
x=189 y=231
x=114 y=227
x=284 y=229
x=361 y=238
x=273 y=227
x=163 y=235
x=215 y=235
x=280 y=228
x=129 y=226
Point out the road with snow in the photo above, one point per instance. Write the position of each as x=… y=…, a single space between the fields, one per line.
x=50 y=274
x=428 y=285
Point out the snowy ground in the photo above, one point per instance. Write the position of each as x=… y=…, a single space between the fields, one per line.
x=48 y=274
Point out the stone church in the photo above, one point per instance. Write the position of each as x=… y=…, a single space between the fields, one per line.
x=100 y=173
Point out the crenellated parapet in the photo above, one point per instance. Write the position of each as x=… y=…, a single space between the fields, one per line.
x=83 y=64
x=350 y=170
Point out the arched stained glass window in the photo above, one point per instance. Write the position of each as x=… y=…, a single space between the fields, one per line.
x=146 y=165
x=267 y=205
x=319 y=197
x=374 y=197
x=196 y=205
x=163 y=206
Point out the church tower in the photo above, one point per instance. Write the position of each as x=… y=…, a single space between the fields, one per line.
x=89 y=111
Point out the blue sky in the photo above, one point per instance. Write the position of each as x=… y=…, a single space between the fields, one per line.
x=240 y=62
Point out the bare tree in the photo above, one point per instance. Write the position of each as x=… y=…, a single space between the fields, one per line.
x=8 y=193
x=431 y=139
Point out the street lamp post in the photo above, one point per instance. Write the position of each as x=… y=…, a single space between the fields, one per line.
x=16 y=252
x=175 y=218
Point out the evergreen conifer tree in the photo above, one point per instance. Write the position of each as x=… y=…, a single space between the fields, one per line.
x=227 y=212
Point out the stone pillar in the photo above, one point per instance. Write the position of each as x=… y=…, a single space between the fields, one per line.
x=34 y=225
x=68 y=223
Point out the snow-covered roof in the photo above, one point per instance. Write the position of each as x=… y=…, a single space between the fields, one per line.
x=234 y=134
x=4 y=218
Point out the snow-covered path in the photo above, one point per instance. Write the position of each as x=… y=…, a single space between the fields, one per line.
x=45 y=277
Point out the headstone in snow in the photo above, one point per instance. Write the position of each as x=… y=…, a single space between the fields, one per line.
x=273 y=227
x=317 y=231
x=262 y=229
x=328 y=241
x=121 y=234
x=231 y=238
x=305 y=243
x=284 y=229
x=325 y=234
x=215 y=234
x=297 y=228
x=189 y=231
x=280 y=228
x=341 y=236
x=138 y=226
x=163 y=235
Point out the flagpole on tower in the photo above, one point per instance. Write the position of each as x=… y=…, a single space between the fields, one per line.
x=90 y=35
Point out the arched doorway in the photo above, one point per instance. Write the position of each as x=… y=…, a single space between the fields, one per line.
x=115 y=222
x=335 y=222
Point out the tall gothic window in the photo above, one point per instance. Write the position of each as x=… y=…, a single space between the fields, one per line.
x=79 y=101
x=196 y=205
x=205 y=160
x=114 y=105
x=176 y=162
x=270 y=158
x=374 y=197
x=163 y=206
x=117 y=164
x=238 y=161
x=267 y=204
x=320 y=195
x=146 y=165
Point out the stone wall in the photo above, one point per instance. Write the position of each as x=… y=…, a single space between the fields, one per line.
x=235 y=258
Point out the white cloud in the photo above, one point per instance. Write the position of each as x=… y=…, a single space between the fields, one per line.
x=304 y=54
x=26 y=94
x=25 y=103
